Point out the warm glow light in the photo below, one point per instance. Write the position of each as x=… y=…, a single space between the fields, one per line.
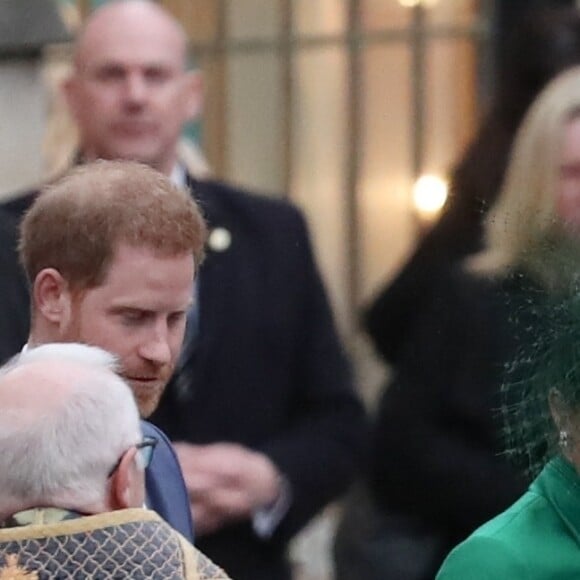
x=429 y=195
x=412 y=3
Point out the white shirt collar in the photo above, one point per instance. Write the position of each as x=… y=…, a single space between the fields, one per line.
x=178 y=176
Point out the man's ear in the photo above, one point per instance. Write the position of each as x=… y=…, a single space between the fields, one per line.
x=69 y=89
x=52 y=297
x=127 y=483
x=194 y=95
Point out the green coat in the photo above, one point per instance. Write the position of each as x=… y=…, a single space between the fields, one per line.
x=537 y=538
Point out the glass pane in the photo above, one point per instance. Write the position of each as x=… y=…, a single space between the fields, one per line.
x=253 y=19
x=450 y=95
x=198 y=17
x=22 y=98
x=452 y=12
x=384 y=14
x=210 y=127
x=319 y=160
x=387 y=225
x=320 y=17
x=255 y=138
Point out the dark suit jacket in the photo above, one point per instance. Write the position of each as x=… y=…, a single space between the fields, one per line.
x=166 y=493
x=14 y=318
x=266 y=370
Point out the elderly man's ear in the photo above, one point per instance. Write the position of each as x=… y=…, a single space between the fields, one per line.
x=52 y=297
x=194 y=95
x=127 y=483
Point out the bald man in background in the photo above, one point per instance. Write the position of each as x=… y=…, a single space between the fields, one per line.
x=262 y=406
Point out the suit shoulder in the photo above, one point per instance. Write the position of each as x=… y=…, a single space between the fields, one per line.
x=243 y=201
x=8 y=226
x=150 y=430
x=501 y=547
x=483 y=557
x=16 y=205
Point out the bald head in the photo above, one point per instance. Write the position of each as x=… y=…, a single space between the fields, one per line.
x=130 y=19
x=130 y=93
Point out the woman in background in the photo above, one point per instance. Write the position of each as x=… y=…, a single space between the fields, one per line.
x=545 y=43
x=437 y=470
x=533 y=252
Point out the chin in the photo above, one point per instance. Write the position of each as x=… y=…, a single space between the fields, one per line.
x=147 y=408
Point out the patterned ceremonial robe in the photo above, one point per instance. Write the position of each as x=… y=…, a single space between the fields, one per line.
x=135 y=543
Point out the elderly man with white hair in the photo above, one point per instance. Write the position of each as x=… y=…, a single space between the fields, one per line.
x=72 y=463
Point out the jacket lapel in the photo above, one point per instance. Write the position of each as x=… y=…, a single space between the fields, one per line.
x=216 y=275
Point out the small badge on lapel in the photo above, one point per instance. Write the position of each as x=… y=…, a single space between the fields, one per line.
x=219 y=240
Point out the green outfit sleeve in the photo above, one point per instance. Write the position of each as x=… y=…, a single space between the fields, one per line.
x=483 y=558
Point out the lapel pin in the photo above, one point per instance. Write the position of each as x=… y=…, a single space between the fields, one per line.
x=219 y=240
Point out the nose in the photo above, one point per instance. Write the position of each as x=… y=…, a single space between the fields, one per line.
x=157 y=348
x=135 y=88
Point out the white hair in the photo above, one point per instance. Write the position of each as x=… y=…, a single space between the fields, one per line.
x=61 y=455
x=73 y=352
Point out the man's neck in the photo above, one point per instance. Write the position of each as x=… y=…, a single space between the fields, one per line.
x=38 y=337
x=166 y=167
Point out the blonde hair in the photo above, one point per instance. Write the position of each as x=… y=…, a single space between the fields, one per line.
x=524 y=216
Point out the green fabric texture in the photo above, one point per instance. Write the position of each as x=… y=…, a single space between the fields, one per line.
x=537 y=538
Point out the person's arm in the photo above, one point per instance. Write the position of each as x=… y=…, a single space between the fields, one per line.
x=397 y=310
